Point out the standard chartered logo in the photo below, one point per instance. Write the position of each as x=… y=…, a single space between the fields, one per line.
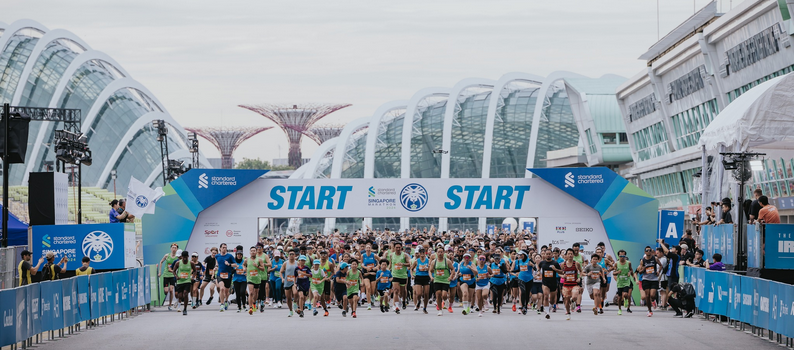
x=569 y=180
x=202 y=182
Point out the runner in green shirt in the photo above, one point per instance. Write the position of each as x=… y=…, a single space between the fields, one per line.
x=319 y=277
x=440 y=269
x=624 y=275
x=183 y=269
x=353 y=283
x=399 y=261
x=253 y=275
x=168 y=277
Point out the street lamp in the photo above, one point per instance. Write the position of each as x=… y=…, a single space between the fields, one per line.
x=113 y=176
x=738 y=163
x=72 y=148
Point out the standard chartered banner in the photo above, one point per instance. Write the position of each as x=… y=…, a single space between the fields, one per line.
x=322 y=198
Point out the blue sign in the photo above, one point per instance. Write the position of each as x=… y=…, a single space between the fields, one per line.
x=8 y=309
x=83 y=298
x=529 y=226
x=103 y=243
x=147 y=288
x=785 y=203
x=22 y=313
x=34 y=308
x=69 y=301
x=761 y=303
x=413 y=197
x=491 y=229
x=585 y=184
x=734 y=296
x=485 y=197
x=505 y=227
x=753 y=246
x=720 y=286
x=106 y=280
x=209 y=186
x=671 y=226
x=748 y=309
x=779 y=246
x=96 y=300
x=729 y=253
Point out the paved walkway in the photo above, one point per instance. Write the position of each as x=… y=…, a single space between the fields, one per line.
x=206 y=328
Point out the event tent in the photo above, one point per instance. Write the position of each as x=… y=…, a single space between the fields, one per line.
x=17 y=230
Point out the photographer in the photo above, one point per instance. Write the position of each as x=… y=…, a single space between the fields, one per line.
x=682 y=297
x=52 y=271
x=124 y=216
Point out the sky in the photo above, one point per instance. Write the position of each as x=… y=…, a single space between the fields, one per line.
x=203 y=58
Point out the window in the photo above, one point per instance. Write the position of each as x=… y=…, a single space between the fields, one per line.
x=623 y=138
x=609 y=138
x=689 y=124
x=590 y=141
x=650 y=142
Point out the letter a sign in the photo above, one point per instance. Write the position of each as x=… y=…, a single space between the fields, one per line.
x=671 y=226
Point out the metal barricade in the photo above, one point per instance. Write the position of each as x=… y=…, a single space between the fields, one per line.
x=9 y=259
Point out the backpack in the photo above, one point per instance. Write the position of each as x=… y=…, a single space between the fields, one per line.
x=688 y=290
x=47 y=272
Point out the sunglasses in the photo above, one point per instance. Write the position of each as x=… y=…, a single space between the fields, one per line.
x=482 y=259
x=647 y=250
x=621 y=256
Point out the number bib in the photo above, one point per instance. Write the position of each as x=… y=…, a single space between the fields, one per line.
x=253 y=273
x=317 y=280
x=440 y=273
x=649 y=270
x=482 y=276
x=183 y=275
x=224 y=275
x=570 y=278
x=384 y=280
x=423 y=268
x=523 y=267
x=549 y=274
x=240 y=271
x=594 y=275
x=496 y=271
x=352 y=282
x=465 y=278
x=290 y=278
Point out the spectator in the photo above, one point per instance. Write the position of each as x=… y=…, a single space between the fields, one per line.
x=688 y=239
x=52 y=271
x=85 y=269
x=717 y=265
x=686 y=254
x=709 y=219
x=726 y=214
x=682 y=297
x=124 y=216
x=26 y=269
x=768 y=213
x=114 y=214
x=697 y=261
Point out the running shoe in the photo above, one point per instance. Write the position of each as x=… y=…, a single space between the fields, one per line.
x=279 y=304
x=650 y=314
x=300 y=314
x=397 y=309
x=315 y=312
x=250 y=310
x=689 y=314
x=567 y=316
x=354 y=314
x=184 y=312
x=450 y=308
x=239 y=310
x=480 y=315
x=290 y=314
x=539 y=311
x=222 y=308
x=548 y=317
x=463 y=312
x=628 y=310
x=554 y=308
x=262 y=309
x=369 y=307
x=620 y=312
x=440 y=313
x=344 y=313
x=653 y=303
x=678 y=314
x=523 y=311
x=169 y=308
x=416 y=308
x=514 y=307
x=425 y=311
x=226 y=306
x=209 y=301
x=193 y=305
x=382 y=309
x=600 y=311
x=579 y=308
x=595 y=311
x=325 y=314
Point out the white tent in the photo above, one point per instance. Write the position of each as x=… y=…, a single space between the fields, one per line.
x=762 y=117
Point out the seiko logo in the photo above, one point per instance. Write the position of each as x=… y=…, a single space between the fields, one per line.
x=584 y=229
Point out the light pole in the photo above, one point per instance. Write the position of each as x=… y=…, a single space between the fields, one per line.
x=113 y=176
x=738 y=161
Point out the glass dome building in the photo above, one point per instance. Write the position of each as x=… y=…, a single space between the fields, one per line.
x=477 y=128
x=56 y=69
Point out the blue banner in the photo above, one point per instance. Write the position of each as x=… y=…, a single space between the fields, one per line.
x=529 y=226
x=753 y=246
x=671 y=226
x=121 y=279
x=720 y=285
x=705 y=242
x=106 y=280
x=774 y=307
x=788 y=296
x=103 y=243
x=748 y=302
x=47 y=308
x=8 y=308
x=760 y=303
x=96 y=299
x=779 y=246
x=34 y=308
x=505 y=227
x=700 y=284
x=147 y=288
x=734 y=296
x=69 y=295
x=728 y=255
x=716 y=242
x=83 y=298
x=133 y=295
x=491 y=229
x=22 y=313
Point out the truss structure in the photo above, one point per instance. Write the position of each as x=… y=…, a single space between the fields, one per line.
x=227 y=139
x=322 y=133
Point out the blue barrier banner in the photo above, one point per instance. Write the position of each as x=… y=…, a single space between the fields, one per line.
x=102 y=243
x=133 y=288
x=83 y=300
x=760 y=303
x=69 y=291
x=56 y=296
x=142 y=286
x=34 y=308
x=122 y=281
x=787 y=307
x=23 y=332
x=774 y=307
x=779 y=246
x=719 y=281
x=710 y=291
x=716 y=242
x=110 y=293
x=734 y=296
x=96 y=300
x=728 y=255
x=46 y=306
x=700 y=284
x=707 y=235
x=148 y=281
x=8 y=308
x=671 y=226
x=753 y=246
x=748 y=300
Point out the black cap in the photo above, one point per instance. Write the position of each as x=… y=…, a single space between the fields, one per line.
x=26 y=253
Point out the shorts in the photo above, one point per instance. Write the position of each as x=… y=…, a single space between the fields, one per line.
x=327 y=288
x=370 y=278
x=302 y=288
x=626 y=290
x=209 y=279
x=593 y=287
x=646 y=285
x=402 y=281
x=672 y=279
x=514 y=283
x=383 y=291
x=318 y=288
x=169 y=281
x=485 y=287
x=441 y=287
x=537 y=288
x=352 y=295
x=183 y=287
x=227 y=283
x=663 y=284
x=422 y=280
x=552 y=286
x=196 y=281
x=256 y=285
x=603 y=285
x=340 y=294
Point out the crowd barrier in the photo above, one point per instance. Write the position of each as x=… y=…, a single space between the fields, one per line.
x=764 y=304
x=48 y=306
x=719 y=239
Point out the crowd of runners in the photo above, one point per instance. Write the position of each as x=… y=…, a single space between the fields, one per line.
x=394 y=272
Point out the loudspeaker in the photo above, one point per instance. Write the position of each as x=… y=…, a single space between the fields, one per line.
x=48 y=198
x=18 y=140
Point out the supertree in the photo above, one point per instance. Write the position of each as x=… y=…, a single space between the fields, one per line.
x=227 y=139
x=295 y=120
x=322 y=133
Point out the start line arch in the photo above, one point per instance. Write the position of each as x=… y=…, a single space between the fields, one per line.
x=205 y=207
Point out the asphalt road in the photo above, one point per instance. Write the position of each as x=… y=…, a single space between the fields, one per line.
x=207 y=328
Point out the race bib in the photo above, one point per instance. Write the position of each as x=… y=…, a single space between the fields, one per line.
x=482 y=276
x=523 y=267
x=240 y=271
x=352 y=282
x=183 y=275
x=398 y=266
x=277 y=274
x=549 y=274
x=594 y=275
x=496 y=271
x=384 y=280
x=465 y=278
x=440 y=273
x=649 y=270
x=317 y=280
x=570 y=278
x=422 y=267
x=290 y=278
x=253 y=273
x=302 y=274
x=224 y=275
x=343 y=279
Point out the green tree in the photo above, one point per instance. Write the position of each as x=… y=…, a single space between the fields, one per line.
x=258 y=164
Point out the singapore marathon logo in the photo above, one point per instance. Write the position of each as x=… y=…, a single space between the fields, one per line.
x=141 y=201
x=202 y=182
x=413 y=197
x=98 y=246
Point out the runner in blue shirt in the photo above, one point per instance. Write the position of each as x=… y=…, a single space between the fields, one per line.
x=384 y=277
x=225 y=272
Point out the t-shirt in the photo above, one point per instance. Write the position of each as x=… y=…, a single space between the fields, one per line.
x=727 y=218
x=24 y=273
x=755 y=207
x=383 y=279
x=112 y=216
x=769 y=214
x=341 y=286
x=549 y=276
x=717 y=266
x=209 y=261
x=672 y=264
x=699 y=263
x=224 y=270
x=593 y=273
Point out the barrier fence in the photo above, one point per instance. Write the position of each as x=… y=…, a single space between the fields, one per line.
x=54 y=306
x=765 y=305
x=9 y=259
x=721 y=240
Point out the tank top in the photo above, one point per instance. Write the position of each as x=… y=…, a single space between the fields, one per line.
x=239 y=272
x=466 y=273
x=263 y=275
x=89 y=270
x=289 y=273
x=352 y=282
x=252 y=272
x=524 y=270
x=398 y=266
x=369 y=261
x=482 y=275
x=499 y=278
x=24 y=276
x=422 y=267
x=169 y=260
x=318 y=276
x=326 y=267
x=276 y=274
x=569 y=274
x=183 y=272
x=441 y=272
x=649 y=270
x=622 y=273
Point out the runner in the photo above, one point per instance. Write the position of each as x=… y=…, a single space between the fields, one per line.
x=239 y=280
x=196 y=275
x=225 y=273
x=454 y=289
x=302 y=275
x=340 y=287
x=328 y=267
x=572 y=278
x=624 y=274
x=482 y=283
x=440 y=272
x=400 y=262
x=319 y=277
x=525 y=277
x=420 y=266
x=580 y=259
x=649 y=272
x=288 y=273
x=537 y=283
x=353 y=282
x=498 y=283
x=263 y=289
x=513 y=280
x=370 y=262
x=183 y=269
x=254 y=267
x=464 y=272
x=209 y=276
x=168 y=276
x=384 y=279
x=549 y=269
x=275 y=281
x=595 y=277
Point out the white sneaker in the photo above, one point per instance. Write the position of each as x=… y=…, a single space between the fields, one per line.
x=440 y=313
x=568 y=317
x=480 y=315
x=279 y=304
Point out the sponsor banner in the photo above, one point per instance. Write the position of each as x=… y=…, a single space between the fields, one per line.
x=22 y=331
x=748 y=299
x=719 y=286
x=760 y=303
x=586 y=184
x=106 y=279
x=779 y=246
x=208 y=186
x=83 y=298
x=491 y=229
x=69 y=296
x=753 y=246
x=149 y=280
x=563 y=233
x=700 y=284
x=210 y=232
x=529 y=226
x=103 y=243
x=788 y=314
x=96 y=297
x=734 y=296
x=34 y=308
x=671 y=226
x=8 y=310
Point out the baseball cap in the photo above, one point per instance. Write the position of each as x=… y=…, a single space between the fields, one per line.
x=277 y=253
x=522 y=252
x=304 y=258
x=343 y=266
x=194 y=254
x=179 y=252
x=316 y=261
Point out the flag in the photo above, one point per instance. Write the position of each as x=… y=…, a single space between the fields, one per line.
x=141 y=198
